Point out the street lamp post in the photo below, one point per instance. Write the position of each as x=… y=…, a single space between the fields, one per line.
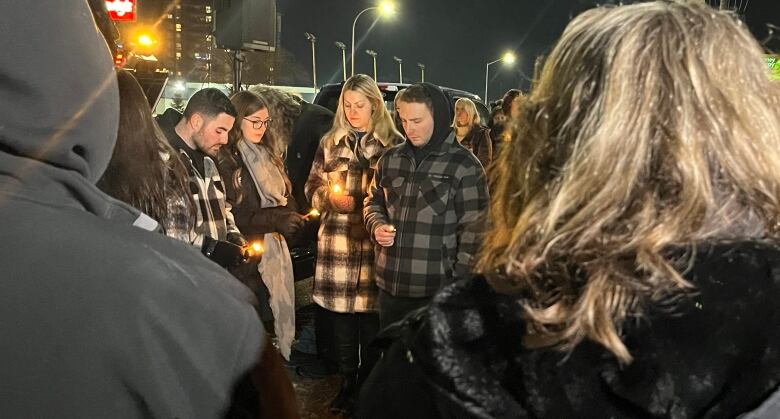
x=385 y=8
x=422 y=72
x=343 y=49
x=372 y=53
x=508 y=58
x=400 y=69
x=313 y=40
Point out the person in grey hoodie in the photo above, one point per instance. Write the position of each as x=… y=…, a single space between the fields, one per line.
x=101 y=316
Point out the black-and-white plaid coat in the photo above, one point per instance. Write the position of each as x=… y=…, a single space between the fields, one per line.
x=344 y=275
x=212 y=216
x=431 y=205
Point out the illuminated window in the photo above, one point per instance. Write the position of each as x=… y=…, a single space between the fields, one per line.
x=208 y=9
x=178 y=55
x=208 y=18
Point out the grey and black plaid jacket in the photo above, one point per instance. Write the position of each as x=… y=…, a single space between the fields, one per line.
x=431 y=205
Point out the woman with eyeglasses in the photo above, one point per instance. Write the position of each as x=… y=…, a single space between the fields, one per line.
x=252 y=164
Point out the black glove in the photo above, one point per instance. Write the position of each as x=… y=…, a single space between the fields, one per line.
x=226 y=254
x=237 y=239
x=289 y=224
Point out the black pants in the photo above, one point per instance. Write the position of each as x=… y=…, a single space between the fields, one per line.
x=393 y=309
x=352 y=335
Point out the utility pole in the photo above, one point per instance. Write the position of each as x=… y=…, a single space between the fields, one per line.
x=372 y=53
x=343 y=48
x=313 y=40
x=400 y=69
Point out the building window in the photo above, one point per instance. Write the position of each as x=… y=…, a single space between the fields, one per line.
x=208 y=18
x=208 y=9
x=178 y=55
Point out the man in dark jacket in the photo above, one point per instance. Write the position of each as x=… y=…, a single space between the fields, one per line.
x=307 y=131
x=197 y=136
x=100 y=317
x=425 y=194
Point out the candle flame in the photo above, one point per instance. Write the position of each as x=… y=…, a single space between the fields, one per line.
x=255 y=248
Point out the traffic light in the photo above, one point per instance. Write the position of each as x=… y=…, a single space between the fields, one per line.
x=120 y=59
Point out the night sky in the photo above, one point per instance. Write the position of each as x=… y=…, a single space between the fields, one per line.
x=453 y=38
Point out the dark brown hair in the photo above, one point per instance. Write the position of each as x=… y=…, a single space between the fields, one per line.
x=137 y=173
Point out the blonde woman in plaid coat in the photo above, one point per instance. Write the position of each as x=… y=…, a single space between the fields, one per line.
x=344 y=283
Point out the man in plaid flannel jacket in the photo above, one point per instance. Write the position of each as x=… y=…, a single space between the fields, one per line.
x=198 y=136
x=425 y=194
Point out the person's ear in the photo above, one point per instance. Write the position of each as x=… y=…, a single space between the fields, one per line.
x=196 y=122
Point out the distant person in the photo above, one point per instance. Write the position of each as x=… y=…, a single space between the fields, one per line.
x=510 y=111
x=508 y=103
x=344 y=279
x=259 y=193
x=425 y=195
x=632 y=267
x=197 y=137
x=496 y=123
x=144 y=171
x=470 y=133
x=101 y=315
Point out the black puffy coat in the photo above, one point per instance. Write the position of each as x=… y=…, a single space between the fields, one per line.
x=714 y=354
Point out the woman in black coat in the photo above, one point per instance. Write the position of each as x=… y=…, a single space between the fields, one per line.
x=631 y=268
x=257 y=188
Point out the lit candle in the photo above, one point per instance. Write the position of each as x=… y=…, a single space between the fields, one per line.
x=312 y=214
x=254 y=249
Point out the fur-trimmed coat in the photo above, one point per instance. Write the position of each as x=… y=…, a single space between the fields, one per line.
x=711 y=353
x=344 y=276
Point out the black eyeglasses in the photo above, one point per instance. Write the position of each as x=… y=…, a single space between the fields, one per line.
x=259 y=124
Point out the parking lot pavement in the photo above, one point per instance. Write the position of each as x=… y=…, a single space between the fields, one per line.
x=314 y=396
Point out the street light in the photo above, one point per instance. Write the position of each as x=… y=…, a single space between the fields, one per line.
x=343 y=48
x=145 y=40
x=422 y=72
x=508 y=58
x=372 y=53
x=400 y=69
x=385 y=8
x=313 y=40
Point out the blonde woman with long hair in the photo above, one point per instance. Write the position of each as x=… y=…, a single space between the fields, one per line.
x=344 y=283
x=470 y=132
x=631 y=266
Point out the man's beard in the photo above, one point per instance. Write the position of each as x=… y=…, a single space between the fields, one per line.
x=198 y=139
